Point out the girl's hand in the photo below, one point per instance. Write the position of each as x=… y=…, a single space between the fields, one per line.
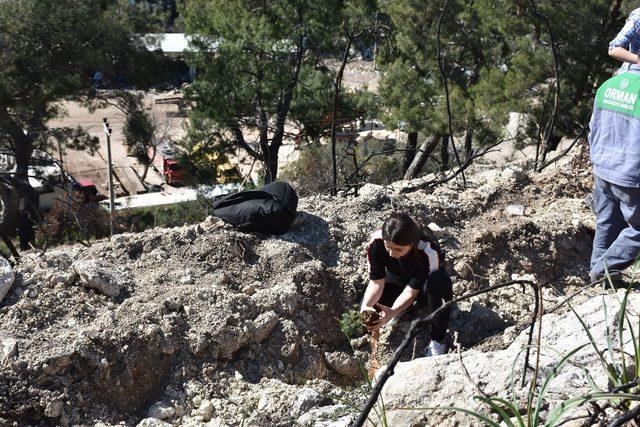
x=386 y=314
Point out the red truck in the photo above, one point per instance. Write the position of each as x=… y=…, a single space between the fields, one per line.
x=172 y=171
x=169 y=167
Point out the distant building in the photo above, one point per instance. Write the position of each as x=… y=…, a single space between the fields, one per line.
x=172 y=45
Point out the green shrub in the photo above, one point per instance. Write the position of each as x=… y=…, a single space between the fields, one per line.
x=350 y=323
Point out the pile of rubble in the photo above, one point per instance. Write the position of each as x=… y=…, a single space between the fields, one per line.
x=203 y=324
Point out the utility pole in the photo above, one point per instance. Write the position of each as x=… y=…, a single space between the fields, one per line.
x=107 y=132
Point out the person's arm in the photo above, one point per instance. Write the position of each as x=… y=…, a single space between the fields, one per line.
x=404 y=300
x=377 y=274
x=619 y=47
x=622 y=54
x=372 y=294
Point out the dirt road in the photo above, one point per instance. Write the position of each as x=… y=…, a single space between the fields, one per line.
x=84 y=165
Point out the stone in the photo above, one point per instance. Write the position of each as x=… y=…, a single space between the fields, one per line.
x=439 y=381
x=263 y=326
x=63 y=278
x=54 y=408
x=8 y=350
x=161 y=411
x=329 y=416
x=344 y=364
x=529 y=277
x=212 y=222
x=514 y=210
x=373 y=195
x=153 y=422
x=489 y=319
x=463 y=270
x=206 y=409
x=513 y=174
x=509 y=335
x=438 y=232
x=250 y=289
x=186 y=279
x=93 y=275
x=306 y=399
x=283 y=298
x=7 y=277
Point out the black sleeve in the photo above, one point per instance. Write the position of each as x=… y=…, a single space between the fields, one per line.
x=376 y=254
x=419 y=278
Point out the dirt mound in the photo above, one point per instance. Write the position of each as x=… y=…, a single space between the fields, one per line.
x=205 y=324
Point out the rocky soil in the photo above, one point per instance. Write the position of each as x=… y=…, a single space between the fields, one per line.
x=204 y=325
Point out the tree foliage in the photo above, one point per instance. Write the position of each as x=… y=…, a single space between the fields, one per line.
x=499 y=57
x=156 y=16
x=259 y=70
x=49 y=51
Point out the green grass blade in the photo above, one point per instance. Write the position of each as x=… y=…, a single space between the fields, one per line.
x=559 y=410
x=622 y=315
x=592 y=382
x=550 y=377
x=634 y=337
x=488 y=421
x=608 y=336
x=592 y=340
x=496 y=407
x=383 y=411
x=638 y=341
x=512 y=407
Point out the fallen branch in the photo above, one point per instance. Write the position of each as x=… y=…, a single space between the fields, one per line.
x=534 y=380
x=467 y=374
x=530 y=338
x=622 y=420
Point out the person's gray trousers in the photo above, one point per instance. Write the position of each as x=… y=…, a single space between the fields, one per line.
x=617 y=239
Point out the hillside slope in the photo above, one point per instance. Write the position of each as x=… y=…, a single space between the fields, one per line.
x=204 y=324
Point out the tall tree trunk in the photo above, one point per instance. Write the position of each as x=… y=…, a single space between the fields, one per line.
x=614 y=13
x=334 y=106
x=270 y=154
x=28 y=207
x=148 y=164
x=22 y=146
x=444 y=154
x=270 y=165
x=468 y=142
x=421 y=157
x=409 y=155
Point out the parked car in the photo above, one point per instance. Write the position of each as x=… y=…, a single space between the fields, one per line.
x=88 y=191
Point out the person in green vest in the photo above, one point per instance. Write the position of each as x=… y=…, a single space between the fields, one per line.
x=614 y=146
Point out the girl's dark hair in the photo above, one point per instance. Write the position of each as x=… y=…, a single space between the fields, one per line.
x=401 y=229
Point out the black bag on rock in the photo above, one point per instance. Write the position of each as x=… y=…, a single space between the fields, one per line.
x=270 y=209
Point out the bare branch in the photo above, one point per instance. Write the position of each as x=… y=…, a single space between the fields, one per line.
x=433 y=183
x=624 y=418
x=585 y=127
